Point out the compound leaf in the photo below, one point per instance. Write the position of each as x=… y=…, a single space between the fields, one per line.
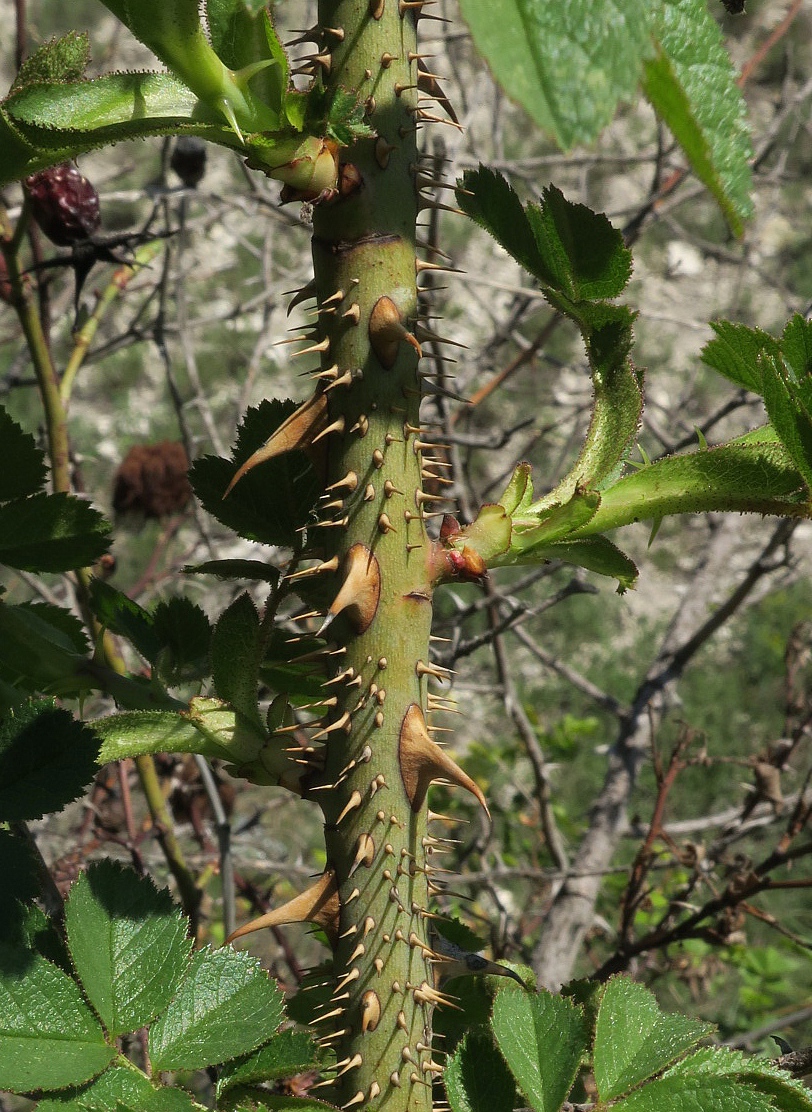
x=634 y=1040
x=543 y=1038
x=49 y=1038
x=226 y=1006
x=128 y=942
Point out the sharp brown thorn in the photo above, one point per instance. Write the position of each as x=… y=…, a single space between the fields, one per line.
x=353 y=803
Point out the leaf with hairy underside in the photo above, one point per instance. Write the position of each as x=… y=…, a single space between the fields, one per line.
x=754 y=473
x=227 y=1006
x=683 y=1094
x=596 y=554
x=110 y=109
x=691 y=85
x=476 y=1078
x=62 y=59
x=270 y=502
x=543 y=1039
x=236 y=569
x=49 y=1037
x=567 y=64
x=46 y=760
x=209 y=727
x=735 y=353
x=128 y=942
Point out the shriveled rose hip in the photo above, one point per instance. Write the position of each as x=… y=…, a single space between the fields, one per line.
x=64 y=204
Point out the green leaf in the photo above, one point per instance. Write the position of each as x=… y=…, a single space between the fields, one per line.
x=63 y=59
x=691 y=84
x=184 y=636
x=123 y=616
x=786 y=1092
x=46 y=760
x=272 y=501
x=51 y=532
x=272 y=1103
x=567 y=247
x=553 y=524
x=128 y=942
x=787 y=414
x=596 y=554
x=117 y=1087
x=476 y=1078
x=242 y=35
x=236 y=651
x=42 y=651
x=678 y=1094
x=227 y=1006
x=452 y=930
x=109 y=109
x=543 y=1039
x=209 y=727
x=23 y=470
x=634 y=1040
x=49 y=1038
x=735 y=353
x=288 y=1053
x=567 y=64
x=744 y=475
x=796 y=347
x=236 y=569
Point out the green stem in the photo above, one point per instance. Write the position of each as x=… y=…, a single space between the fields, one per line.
x=378 y=754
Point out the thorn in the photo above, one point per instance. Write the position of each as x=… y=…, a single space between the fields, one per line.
x=322 y=346
x=340 y=724
x=358 y=952
x=304 y=294
x=360 y=592
x=385 y=525
x=374 y=1090
x=349 y=1064
x=329 y=1015
x=319 y=904
x=297 y=431
x=353 y=803
x=348 y=483
x=353 y=975
x=335 y=426
x=422 y=761
x=319 y=569
x=370 y=1011
x=377 y=459
x=364 y=853
x=387 y=331
x=383 y=151
x=361 y=426
x=357 y=1099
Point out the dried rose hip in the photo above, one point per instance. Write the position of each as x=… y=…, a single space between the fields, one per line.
x=64 y=204
x=189 y=160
